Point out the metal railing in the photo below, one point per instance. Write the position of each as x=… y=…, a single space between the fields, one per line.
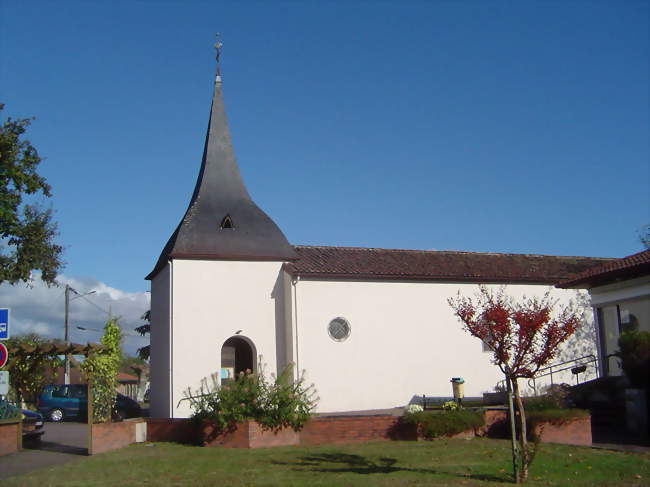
x=577 y=366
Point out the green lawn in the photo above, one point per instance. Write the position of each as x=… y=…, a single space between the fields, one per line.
x=441 y=462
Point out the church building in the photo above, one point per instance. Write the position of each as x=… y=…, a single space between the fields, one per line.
x=370 y=327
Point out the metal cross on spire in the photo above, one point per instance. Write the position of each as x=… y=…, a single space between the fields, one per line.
x=217 y=46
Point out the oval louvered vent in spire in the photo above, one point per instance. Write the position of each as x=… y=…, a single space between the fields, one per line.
x=226 y=223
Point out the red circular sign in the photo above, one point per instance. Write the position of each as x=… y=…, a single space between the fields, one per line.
x=4 y=355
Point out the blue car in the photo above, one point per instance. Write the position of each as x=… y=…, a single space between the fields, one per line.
x=58 y=402
x=32 y=426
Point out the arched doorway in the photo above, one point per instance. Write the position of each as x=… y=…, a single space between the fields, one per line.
x=237 y=355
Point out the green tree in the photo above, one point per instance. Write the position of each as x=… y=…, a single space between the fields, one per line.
x=102 y=368
x=144 y=352
x=26 y=231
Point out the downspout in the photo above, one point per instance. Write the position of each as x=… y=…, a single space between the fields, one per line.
x=171 y=338
x=294 y=283
x=603 y=363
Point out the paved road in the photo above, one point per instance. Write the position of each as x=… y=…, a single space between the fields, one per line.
x=61 y=443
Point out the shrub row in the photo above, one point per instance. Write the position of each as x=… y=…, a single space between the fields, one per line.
x=433 y=424
x=554 y=416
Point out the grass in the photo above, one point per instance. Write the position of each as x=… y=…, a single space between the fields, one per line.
x=476 y=462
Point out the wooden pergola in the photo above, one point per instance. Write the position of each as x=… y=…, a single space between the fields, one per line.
x=25 y=351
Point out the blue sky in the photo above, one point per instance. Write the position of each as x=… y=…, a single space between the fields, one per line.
x=481 y=126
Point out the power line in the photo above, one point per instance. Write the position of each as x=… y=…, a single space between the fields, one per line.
x=83 y=328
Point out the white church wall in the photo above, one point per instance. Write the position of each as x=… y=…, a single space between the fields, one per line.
x=213 y=300
x=404 y=342
x=160 y=345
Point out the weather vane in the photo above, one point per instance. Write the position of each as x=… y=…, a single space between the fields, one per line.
x=217 y=46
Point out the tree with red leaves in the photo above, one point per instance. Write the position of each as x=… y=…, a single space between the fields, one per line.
x=524 y=336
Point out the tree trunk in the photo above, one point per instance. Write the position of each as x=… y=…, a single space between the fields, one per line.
x=516 y=460
x=523 y=440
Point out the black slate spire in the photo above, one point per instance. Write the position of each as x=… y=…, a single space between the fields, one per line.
x=222 y=222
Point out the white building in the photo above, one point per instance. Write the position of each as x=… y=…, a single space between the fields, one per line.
x=620 y=296
x=371 y=327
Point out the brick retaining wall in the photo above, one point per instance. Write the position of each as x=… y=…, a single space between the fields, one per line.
x=248 y=434
x=321 y=430
x=355 y=429
x=575 y=431
x=9 y=437
x=111 y=436
x=178 y=430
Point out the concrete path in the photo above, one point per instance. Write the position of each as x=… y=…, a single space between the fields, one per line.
x=61 y=443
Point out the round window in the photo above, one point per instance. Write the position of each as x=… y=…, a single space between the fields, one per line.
x=339 y=329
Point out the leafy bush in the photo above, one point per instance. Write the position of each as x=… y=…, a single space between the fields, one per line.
x=555 y=416
x=8 y=411
x=102 y=368
x=635 y=354
x=556 y=397
x=286 y=403
x=434 y=424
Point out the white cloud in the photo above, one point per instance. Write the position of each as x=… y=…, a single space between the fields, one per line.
x=39 y=309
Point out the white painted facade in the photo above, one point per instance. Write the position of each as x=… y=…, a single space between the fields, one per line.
x=619 y=306
x=404 y=339
x=209 y=302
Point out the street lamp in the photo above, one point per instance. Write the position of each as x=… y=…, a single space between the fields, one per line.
x=68 y=289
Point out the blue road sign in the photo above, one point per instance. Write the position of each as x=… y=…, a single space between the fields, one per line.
x=4 y=323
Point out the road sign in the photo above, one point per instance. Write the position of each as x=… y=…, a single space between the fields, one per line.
x=4 y=323
x=4 y=382
x=4 y=355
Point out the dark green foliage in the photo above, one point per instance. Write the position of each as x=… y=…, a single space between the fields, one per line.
x=434 y=424
x=26 y=231
x=144 y=352
x=635 y=354
x=102 y=368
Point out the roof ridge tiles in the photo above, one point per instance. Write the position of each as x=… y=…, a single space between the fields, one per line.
x=462 y=252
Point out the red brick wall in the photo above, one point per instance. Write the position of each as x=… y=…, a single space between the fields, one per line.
x=354 y=429
x=111 y=436
x=248 y=435
x=573 y=432
x=178 y=430
x=8 y=438
x=258 y=438
x=235 y=438
x=348 y=429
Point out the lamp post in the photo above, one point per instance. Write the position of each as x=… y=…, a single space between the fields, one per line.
x=68 y=288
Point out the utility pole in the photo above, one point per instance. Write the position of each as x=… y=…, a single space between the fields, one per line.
x=66 y=378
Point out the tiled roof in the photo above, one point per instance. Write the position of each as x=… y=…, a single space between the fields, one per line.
x=634 y=265
x=371 y=263
x=124 y=377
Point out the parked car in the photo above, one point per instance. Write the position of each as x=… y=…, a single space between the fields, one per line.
x=58 y=402
x=32 y=426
